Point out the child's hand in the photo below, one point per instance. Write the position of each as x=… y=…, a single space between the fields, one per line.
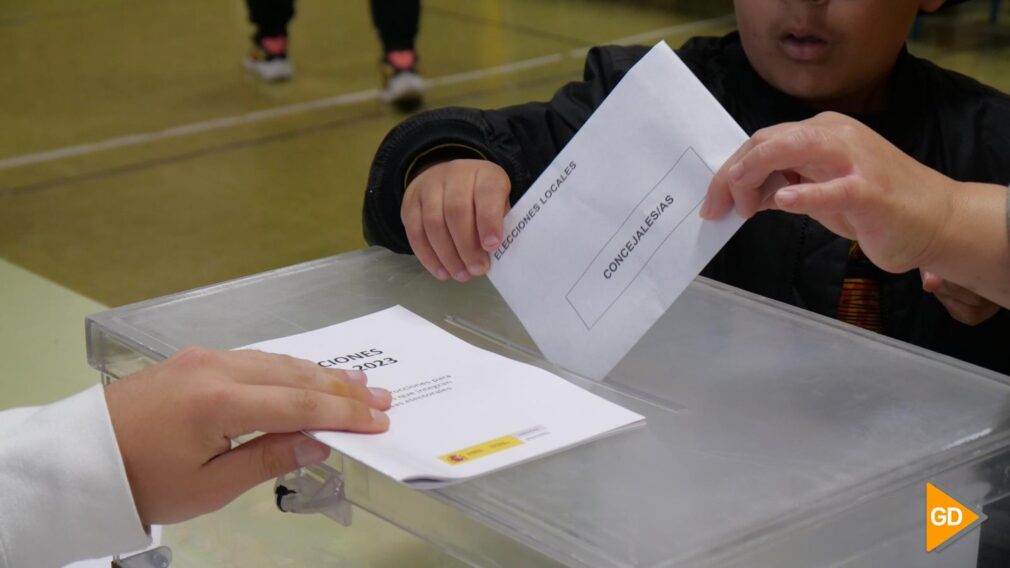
x=453 y=215
x=962 y=304
x=175 y=423
x=849 y=179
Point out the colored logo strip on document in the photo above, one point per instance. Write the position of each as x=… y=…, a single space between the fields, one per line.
x=481 y=450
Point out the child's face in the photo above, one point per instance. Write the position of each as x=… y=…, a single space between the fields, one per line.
x=826 y=52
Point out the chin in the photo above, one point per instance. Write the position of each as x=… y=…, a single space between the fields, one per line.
x=807 y=87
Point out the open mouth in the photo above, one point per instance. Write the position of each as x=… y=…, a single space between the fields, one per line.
x=803 y=46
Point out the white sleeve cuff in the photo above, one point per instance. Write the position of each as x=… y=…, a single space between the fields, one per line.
x=65 y=495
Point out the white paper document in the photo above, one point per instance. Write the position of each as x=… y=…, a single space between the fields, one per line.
x=609 y=235
x=458 y=411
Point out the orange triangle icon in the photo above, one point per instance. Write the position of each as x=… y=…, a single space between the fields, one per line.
x=945 y=517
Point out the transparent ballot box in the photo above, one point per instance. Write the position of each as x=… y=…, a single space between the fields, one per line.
x=774 y=437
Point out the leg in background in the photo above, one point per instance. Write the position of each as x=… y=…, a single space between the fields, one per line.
x=271 y=17
x=269 y=56
x=397 y=24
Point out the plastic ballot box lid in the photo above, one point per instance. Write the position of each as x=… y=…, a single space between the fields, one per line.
x=774 y=437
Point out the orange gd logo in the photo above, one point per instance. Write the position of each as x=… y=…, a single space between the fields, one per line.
x=946 y=518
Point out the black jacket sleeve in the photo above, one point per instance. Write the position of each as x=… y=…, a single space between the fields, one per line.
x=522 y=139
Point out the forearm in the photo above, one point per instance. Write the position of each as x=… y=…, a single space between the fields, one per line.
x=974 y=249
x=65 y=494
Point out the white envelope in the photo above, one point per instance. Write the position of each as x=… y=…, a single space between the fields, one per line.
x=609 y=235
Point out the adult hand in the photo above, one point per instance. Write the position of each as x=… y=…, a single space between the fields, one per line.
x=961 y=303
x=848 y=178
x=453 y=214
x=175 y=423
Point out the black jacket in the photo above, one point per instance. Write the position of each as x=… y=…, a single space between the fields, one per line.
x=947 y=121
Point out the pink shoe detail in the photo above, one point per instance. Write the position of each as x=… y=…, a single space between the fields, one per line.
x=401 y=59
x=276 y=45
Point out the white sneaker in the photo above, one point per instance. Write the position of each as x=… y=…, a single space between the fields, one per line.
x=269 y=59
x=402 y=87
x=272 y=70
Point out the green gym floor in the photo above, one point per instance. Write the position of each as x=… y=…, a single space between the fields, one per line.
x=138 y=157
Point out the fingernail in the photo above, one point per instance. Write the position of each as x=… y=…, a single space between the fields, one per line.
x=704 y=209
x=310 y=452
x=475 y=269
x=378 y=393
x=462 y=275
x=490 y=242
x=736 y=171
x=442 y=274
x=787 y=196
x=356 y=376
x=378 y=416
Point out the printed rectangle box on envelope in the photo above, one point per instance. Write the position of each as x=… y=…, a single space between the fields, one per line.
x=647 y=227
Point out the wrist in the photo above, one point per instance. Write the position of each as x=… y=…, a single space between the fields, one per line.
x=972 y=244
x=437 y=155
x=951 y=211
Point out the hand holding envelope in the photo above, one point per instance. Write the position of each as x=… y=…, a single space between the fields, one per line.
x=609 y=235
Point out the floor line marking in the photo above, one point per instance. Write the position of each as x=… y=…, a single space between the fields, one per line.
x=330 y=102
x=53 y=183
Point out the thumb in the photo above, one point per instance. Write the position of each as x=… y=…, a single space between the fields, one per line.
x=930 y=282
x=260 y=459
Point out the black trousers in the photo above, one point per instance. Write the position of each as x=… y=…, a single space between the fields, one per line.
x=396 y=20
